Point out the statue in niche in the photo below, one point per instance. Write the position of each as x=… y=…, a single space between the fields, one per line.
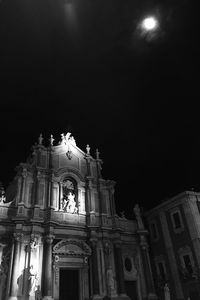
x=111 y=282
x=33 y=281
x=69 y=203
x=166 y=292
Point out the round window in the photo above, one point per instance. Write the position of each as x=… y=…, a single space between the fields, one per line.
x=128 y=264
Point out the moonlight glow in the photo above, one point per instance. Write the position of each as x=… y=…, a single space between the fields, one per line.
x=150 y=23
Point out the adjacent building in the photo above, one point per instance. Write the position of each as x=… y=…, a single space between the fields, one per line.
x=174 y=228
x=60 y=236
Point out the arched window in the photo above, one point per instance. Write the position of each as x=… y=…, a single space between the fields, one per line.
x=70 y=196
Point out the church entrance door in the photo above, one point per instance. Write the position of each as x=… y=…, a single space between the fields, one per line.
x=69 y=284
x=131 y=289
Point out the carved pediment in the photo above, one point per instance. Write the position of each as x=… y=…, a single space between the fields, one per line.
x=72 y=247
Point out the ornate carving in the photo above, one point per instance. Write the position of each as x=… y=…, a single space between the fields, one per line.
x=2 y=194
x=56 y=270
x=18 y=236
x=72 y=247
x=4 y=267
x=24 y=173
x=68 y=202
x=49 y=239
x=66 y=139
x=33 y=242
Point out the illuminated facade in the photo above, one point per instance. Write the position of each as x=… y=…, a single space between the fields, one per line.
x=60 y=236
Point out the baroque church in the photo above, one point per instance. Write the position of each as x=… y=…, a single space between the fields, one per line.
x=60 y=235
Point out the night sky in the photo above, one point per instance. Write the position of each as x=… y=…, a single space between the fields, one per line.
x=85 y=66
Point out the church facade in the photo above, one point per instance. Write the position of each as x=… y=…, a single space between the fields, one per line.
x=60 y=236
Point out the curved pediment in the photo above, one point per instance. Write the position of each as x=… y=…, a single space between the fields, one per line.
x=72 y=247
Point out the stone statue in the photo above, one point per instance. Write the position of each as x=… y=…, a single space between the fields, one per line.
x=62 y=138
x=33 y=243
x=97 y=154
x=88 y=149
x=40 y=139
x=166 y=292
x=110 y=281
x=67 y=136
x=70 y=204
x=33 y=281
x=72 y=140
x=138 y=216
x=51 y=140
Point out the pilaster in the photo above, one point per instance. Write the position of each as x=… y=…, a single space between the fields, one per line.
x=171 y=256
x=95 y=273
x=48 y=275
x=15 y=267
x=147 y=265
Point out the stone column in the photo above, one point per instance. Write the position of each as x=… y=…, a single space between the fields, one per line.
x=15 y=267
x=119 y=269
x=60 y=205
x=47 y=275
x=95 y=274
x=52 y=194
x=24 y=174
x=20 y=208
x=147 y=265
x=37 y=194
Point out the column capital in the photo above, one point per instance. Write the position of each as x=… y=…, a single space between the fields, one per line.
x=93 y=242
x=18 y=236
x=107 y=247
x=49 y=238
x=24 y=173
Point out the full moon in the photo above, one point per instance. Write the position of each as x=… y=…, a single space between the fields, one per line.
x=149 y=23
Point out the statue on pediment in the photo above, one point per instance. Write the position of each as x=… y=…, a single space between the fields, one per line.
x=66 y=139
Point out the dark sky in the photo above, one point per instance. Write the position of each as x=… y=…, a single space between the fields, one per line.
x=85 y=66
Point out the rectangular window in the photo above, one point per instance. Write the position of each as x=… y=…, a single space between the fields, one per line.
x=187 y=263
x=177 y=221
